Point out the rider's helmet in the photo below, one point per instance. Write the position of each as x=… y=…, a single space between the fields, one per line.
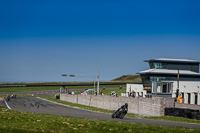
x=126 y=104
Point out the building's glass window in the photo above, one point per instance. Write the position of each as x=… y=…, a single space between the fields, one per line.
x=146 y=81
x=162 y=87
x=145 y=78
x=158 y=65
x=151 y=64
x=156 y=78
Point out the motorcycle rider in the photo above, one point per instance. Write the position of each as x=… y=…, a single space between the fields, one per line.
x=121 y=112
x=7 y=98
x=13 y=95
x=123 y=108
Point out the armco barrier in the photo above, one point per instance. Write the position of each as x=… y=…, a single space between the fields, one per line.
x=142 y=106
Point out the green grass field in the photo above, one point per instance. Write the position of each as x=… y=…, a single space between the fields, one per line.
x=23 y=89
x=42 y=88
x=108 y=91
x=23 y=122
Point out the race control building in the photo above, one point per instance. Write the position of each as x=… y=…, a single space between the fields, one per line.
x=165 y=76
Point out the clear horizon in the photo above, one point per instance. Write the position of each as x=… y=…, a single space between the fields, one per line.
x=40 y=40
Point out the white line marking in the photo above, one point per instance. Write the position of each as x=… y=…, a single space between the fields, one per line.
x=71 y=106
x=6 y=104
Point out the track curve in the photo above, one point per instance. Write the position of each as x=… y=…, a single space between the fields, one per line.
x=32 y=104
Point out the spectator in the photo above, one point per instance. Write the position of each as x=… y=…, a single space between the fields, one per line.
x=113 y=94
x=101 y=93
x=133 y=94
x=130 y=95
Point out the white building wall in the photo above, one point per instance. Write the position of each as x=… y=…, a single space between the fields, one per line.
x=192 y=98
x=185 y=87
x=188 y=87
x=185 y=97
x=137 y=88
x=198 y=98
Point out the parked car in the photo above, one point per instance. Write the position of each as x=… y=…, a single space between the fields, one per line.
x=88 y=92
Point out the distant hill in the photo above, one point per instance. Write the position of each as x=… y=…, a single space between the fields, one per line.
x=128 y=78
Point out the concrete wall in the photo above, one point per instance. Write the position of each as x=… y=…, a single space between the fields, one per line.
x=187 y=106
x=69 y=98
x=141 y=106
x=169 y=103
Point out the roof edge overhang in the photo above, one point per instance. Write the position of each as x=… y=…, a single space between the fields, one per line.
x=172 y=60
x=148 y=73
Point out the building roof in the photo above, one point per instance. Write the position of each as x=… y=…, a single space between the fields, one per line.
x=173 y=60
x=171 y=72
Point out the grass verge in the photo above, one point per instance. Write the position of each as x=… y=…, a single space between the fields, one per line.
x=77 y=105
x=17 y=122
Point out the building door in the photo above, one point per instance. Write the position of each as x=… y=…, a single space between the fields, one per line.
x=195 y=98
x=164 y=88
x=182 y=94
x=189 y=98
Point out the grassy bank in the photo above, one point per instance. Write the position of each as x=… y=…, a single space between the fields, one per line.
x=128 y=78
x=18 y=122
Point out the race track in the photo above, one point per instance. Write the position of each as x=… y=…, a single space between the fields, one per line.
x=32 y=104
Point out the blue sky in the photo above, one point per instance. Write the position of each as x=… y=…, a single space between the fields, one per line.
x=40 y=40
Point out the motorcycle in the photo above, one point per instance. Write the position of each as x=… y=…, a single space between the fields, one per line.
x=13 y=96
x=7 y=98
x=120 y=113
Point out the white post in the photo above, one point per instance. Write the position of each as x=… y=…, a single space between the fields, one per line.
x=198 y=97
x=192 y=98
x=186 y=97
x=94 y=85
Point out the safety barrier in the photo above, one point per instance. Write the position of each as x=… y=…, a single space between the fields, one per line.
x=141 y=106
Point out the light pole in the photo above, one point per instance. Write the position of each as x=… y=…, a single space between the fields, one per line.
x=88 y=76
x=98 y=82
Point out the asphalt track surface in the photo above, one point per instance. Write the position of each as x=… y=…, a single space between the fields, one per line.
x=32 y=104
